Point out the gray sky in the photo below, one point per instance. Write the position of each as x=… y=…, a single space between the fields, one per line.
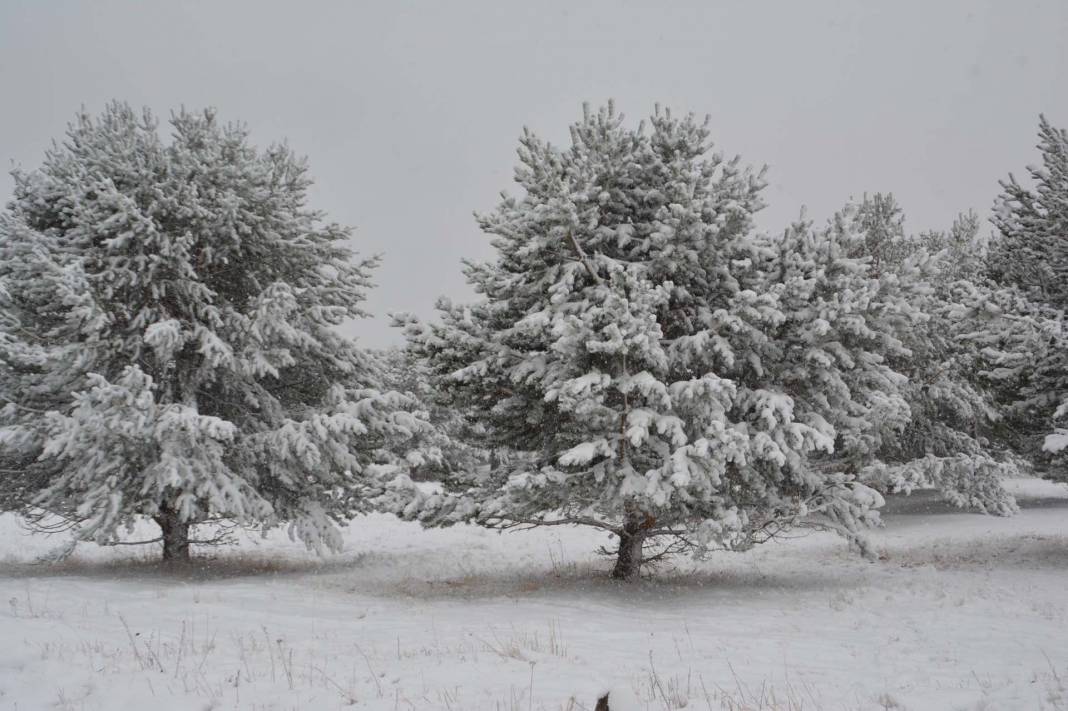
x=409 y=113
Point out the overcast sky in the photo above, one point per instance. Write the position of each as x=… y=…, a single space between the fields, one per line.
x=409 y=112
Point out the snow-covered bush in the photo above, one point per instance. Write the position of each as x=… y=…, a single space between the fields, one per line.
x=168 y=317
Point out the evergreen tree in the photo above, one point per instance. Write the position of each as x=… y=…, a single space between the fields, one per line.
x=626 y=353
x=880 y=221
x=442 y=451
x=1031 y=249
x=841 y=331
x=1023 y=339
x=168 y=317
x=952 y=438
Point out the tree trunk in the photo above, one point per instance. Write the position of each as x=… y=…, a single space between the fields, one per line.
x=629 y=559
x=175 y=536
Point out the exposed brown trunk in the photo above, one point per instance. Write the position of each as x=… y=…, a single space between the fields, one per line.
x=629 y=559
x=175 y=536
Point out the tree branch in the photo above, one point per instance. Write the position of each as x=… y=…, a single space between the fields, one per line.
x=582 y=256
x=534 y=522
x=26 y=407
x=133 y=543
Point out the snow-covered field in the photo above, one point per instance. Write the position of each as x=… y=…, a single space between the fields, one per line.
x=963 y=611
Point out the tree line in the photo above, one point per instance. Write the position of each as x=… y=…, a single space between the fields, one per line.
x=639 y=358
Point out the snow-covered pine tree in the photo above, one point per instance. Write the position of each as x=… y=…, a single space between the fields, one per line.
x=619 y=355
x=444 y=450
x=168 y=317
x=1030 y=251
x=949 y=440
x=880 y=222
x=1023 y=337
x=841 y=328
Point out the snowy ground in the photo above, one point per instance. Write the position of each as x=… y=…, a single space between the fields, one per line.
x=963 y=612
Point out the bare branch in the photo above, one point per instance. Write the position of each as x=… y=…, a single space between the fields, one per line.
x=132 y=543
x=522 y=524
x=26 y=407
